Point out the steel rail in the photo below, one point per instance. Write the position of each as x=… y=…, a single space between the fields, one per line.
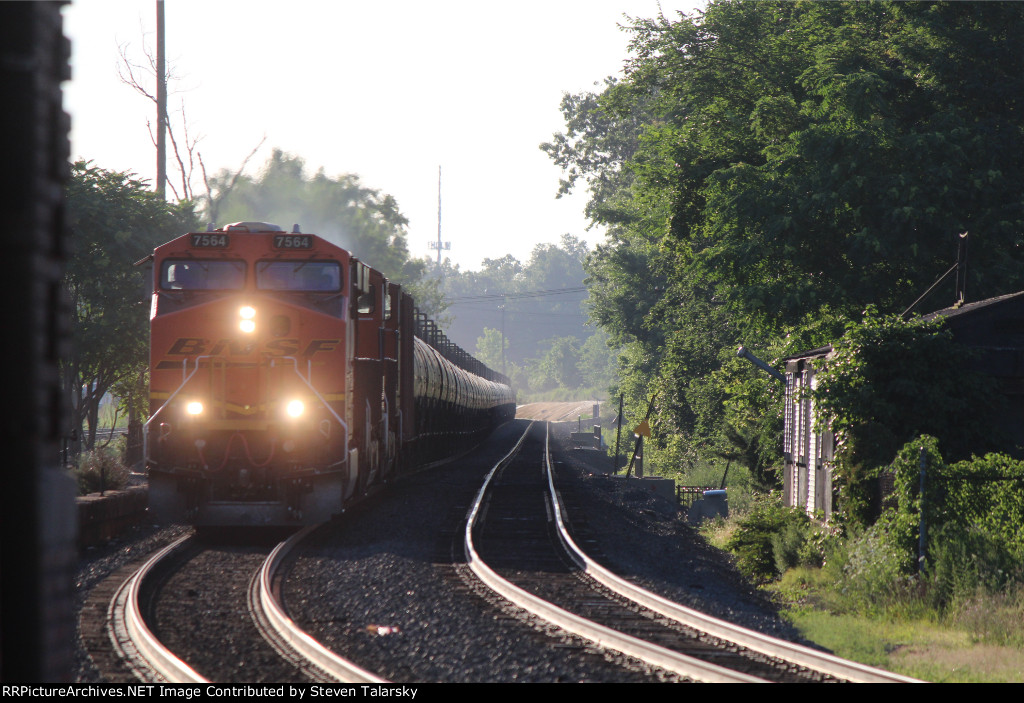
x=145 y=655
x=291 y=635
x=749 y=639
x=599 y=634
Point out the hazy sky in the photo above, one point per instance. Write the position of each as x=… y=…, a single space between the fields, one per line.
x=388 y=90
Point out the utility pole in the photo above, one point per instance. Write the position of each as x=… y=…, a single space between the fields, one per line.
x=961 y=269
x=161 y=102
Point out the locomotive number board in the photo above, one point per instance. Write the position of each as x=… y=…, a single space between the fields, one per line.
x=293 y=241
x=211 y=241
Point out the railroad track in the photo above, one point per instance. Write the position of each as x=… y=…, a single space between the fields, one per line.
x=145 y=623
x=518 y=544
x=502 y=546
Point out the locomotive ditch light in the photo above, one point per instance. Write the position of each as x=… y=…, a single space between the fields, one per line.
x=194 y=408
x=295 y=408
x=248 y=321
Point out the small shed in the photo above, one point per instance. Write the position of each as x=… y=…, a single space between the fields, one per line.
x=807 y=482
x=994 y=327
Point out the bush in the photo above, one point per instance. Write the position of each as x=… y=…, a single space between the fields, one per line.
x=972 y=513
x=786 y=546
x=878 y=567
x=755 y=537
x=965 y=562
x=100 y=469
x=986 y=493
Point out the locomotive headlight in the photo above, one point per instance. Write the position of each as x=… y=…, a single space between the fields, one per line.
x=295 y=408
x=248 y=321
x=194 y=408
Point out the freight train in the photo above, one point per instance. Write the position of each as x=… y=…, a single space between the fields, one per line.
x=288 y=379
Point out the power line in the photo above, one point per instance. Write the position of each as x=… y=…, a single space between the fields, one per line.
x=515 y=296
x=574 y=315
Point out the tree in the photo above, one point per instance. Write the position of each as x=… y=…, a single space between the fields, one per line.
x=598 y=362
x=557 y=367
x=142 y=78
x=185 y=146
x=491 y=348
x=363 y=220
x=115 y=221
x=794 y=163
x=533 y=301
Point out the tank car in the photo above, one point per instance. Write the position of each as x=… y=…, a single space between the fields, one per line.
x=287 y=378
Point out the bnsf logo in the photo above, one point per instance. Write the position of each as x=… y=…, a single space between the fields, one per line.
x=195 y=346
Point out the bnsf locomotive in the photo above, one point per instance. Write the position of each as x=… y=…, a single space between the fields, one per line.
x=287 y=378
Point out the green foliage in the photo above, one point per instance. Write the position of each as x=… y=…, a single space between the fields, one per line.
x=877 y=573
x=805 y=543
x=755 y=538
x=977 y=503
x=558 y=366
x=531 y=306
x=888 y=381
x=598 y=362
x=491 y=348
x=994 y=618
x=363 y=220
x=905 y=515
x=532 y=302
x=971 y=515
x=101 y=469
x=963 y=561
x=771 y=167
x=115 y=220
x=985 y=494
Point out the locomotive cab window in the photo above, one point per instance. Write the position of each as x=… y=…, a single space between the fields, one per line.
x=301 y=276
x=202 y=274
x=366 y=302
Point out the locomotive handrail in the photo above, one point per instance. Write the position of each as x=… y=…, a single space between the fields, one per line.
x=184 y=380
x=323 y=401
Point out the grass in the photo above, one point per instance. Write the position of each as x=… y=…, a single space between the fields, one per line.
x=110 y=416
x=921 y=649
x=979 y=639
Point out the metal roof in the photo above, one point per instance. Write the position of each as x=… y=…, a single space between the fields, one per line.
x=967 y=308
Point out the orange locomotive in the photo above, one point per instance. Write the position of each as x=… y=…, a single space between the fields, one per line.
x=287 y=378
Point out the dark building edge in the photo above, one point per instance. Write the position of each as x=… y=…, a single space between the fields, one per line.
x=37 y=502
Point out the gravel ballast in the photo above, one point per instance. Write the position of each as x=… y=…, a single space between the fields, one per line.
x=379 y=584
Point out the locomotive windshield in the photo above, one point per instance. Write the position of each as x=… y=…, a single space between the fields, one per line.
x=309 y=276
x=202 y=274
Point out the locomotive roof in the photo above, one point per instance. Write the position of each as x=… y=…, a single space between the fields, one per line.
x=254 y=227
